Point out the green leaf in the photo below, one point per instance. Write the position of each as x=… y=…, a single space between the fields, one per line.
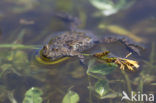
x=101 y=87
x=102 y=69
x=33 y=95
x=71 y=97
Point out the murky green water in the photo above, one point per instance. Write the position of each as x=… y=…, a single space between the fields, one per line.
x=31 y=23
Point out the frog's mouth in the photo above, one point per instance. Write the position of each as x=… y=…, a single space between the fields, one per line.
x=44 y=60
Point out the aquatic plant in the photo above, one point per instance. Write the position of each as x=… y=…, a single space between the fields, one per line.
x=109 y=7
x=71 y=97
x=123 y=62
x=33 y=95
x=19 y=46
x=150 y=64
x=116 y=29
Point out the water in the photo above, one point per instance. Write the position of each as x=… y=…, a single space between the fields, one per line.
x=32 y=22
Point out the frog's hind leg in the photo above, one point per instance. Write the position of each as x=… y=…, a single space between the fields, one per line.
x=130 y=46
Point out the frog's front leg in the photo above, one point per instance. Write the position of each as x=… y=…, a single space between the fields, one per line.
x=77 y=54
x=131 y=47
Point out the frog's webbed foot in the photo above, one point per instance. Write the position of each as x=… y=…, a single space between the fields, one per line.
x=131 y=47
x=73 y=22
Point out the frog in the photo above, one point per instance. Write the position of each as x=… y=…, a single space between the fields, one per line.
x=69 y=43
x=74 y=42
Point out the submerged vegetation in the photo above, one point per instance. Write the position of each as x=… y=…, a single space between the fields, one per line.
x=109 y=7
x=27 y=78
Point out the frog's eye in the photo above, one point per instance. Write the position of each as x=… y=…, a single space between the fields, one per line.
x=45 y=47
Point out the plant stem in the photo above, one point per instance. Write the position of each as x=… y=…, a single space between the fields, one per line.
x=90 y=91
x=152 y=55
x=19 y=46
x=128 y=82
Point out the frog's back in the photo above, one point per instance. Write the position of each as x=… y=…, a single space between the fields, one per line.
x=74 y=40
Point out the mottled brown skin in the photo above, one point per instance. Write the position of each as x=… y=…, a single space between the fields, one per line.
x=70 y=43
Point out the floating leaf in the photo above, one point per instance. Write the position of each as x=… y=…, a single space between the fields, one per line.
x=102 y=69
x=71 y=97
x=101 y=87
x=33 y=95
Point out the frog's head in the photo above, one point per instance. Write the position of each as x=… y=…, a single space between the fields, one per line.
x=50 y=52
x=49 y=55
